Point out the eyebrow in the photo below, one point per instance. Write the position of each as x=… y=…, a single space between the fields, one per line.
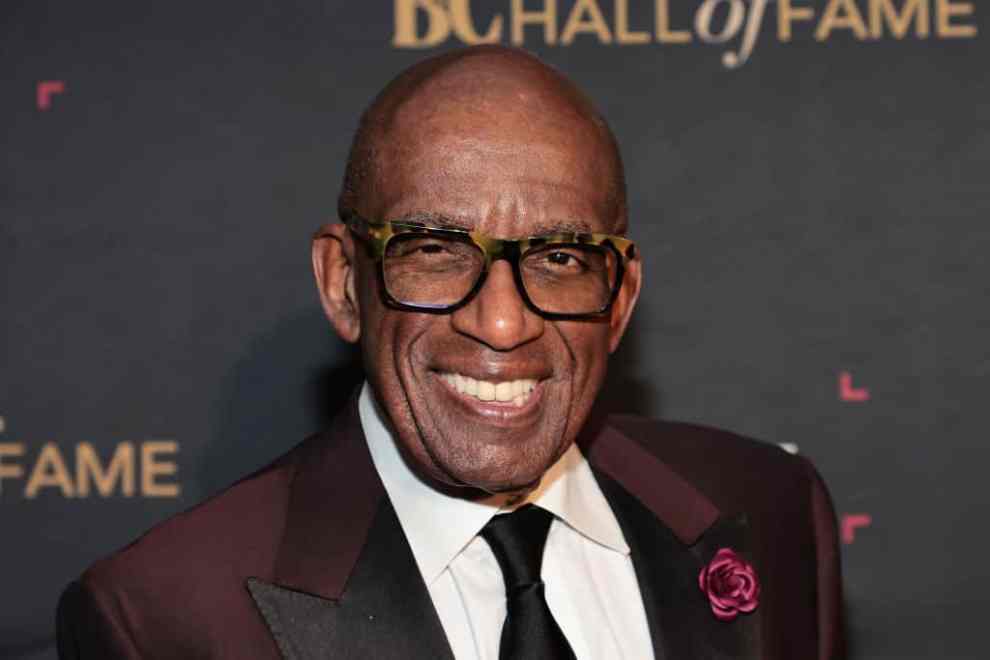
x=441 y=221
x=564 y=227
x=438 y=220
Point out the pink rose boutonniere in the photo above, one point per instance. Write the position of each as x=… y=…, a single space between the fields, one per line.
x=730 y=584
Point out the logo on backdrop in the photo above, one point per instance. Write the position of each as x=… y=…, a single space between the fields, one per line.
x=142 y=469
x=735 y=25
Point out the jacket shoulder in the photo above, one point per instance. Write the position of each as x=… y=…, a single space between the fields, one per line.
x=231 y=530
x=733 y=470
x=789 y=517
x=160 y=595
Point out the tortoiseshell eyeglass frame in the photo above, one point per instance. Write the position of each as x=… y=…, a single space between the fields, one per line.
x=377 y=236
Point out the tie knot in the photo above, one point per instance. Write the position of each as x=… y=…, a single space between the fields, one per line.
x=517 y=540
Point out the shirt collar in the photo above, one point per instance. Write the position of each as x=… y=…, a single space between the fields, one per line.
x=438 y=526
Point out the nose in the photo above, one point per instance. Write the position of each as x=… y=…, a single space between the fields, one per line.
x=497 y=316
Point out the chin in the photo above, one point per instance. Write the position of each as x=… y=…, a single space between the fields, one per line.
x=494 y=469
x=498 y=484
x=494 y=445
x=512 y=482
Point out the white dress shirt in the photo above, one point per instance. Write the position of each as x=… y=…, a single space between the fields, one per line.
x=591 y=586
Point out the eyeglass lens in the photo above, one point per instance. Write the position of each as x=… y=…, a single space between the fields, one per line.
x=438 y=271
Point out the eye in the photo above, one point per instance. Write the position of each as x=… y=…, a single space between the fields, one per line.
x=564 y=260
x=560 y=258
x=431 y=248
x=433 y=254
x=421 y=247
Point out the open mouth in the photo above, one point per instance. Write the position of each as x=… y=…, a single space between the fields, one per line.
x=511 y=392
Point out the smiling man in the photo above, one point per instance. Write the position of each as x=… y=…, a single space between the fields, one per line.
x=463 y=506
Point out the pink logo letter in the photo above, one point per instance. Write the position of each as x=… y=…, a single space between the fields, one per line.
x=849 y=393
x=46 y=90
x=851 y=522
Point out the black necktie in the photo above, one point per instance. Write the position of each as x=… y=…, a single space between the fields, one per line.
x=529 y=632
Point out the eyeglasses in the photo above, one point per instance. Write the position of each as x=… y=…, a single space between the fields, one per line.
x=563 y=275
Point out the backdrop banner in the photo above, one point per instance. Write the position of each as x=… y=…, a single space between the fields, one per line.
x=809 y=182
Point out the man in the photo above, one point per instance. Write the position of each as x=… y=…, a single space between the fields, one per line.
x=449 y=511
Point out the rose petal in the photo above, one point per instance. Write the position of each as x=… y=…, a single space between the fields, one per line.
x=730 y=584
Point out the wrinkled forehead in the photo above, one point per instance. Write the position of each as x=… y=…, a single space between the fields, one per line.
x=504 y=158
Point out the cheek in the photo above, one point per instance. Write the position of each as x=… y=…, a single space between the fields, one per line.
x=587 y=343
x=380 y=337
x=389 y=349
x=384 y=331
x=372 y=314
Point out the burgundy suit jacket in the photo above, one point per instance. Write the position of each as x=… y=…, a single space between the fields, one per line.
x=306 y=558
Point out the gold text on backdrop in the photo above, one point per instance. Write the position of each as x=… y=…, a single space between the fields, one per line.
x=429 y=23
x=134 y=469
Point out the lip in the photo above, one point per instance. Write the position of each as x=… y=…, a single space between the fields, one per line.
x=495 y=413
x=493 y=371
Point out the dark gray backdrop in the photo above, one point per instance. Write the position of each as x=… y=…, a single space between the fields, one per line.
x=821 y=209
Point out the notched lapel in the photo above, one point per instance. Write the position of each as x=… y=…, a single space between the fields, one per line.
x=681 y=621
x=673 y=530
x=739 y=638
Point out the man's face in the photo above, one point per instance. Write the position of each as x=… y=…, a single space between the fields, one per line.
x=508 y=176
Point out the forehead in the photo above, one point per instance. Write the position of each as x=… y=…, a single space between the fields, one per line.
x=504 y=172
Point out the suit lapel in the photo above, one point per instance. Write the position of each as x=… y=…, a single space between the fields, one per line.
x=739 y=638
x=385 y=611
x=345 y=584
x=673 y=530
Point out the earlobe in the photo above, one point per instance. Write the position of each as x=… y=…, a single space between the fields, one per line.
x=625 y=302
x=334 y=268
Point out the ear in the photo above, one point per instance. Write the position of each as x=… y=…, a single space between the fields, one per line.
x=622 y=309
x=334 y=267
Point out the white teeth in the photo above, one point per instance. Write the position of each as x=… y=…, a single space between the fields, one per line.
x=516 y=391
x=486 y=390
x=503 y=391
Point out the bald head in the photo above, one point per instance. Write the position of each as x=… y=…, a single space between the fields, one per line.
x=505 y=99
x=492 y=141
